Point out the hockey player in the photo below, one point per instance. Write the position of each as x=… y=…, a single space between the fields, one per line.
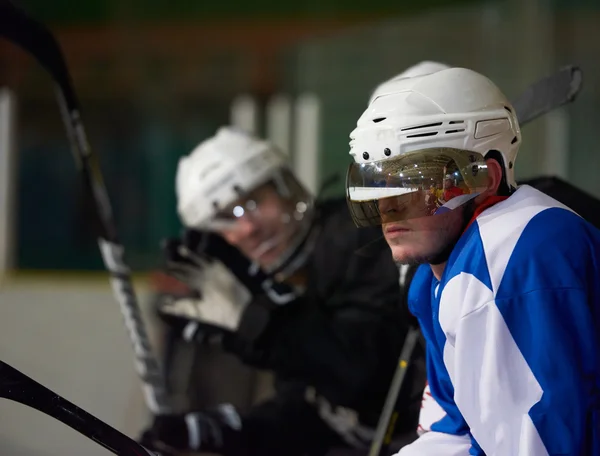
x=332 y=335
x=508 y=294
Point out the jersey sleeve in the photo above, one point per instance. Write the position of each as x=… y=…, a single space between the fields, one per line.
x=526 y=359
x=442 y=428
x=434 y=443
x=528 y=387
x=431 y=412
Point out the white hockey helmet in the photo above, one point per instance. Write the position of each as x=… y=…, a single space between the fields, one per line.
x=220 y=170
x=420 y=69
x=421 y=129
x=216 y=185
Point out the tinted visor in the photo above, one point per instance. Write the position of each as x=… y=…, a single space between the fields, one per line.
x=413 y=185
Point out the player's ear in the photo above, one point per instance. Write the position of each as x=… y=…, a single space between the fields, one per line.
x=496 y=180
x=497 y=184
x=495 y=177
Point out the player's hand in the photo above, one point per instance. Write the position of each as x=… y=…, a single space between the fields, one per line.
x=184 y=259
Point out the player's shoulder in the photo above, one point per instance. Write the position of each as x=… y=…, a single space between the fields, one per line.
x=534 y=215
x=531 y=236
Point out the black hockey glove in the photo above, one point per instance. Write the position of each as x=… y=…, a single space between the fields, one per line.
x=206 y=431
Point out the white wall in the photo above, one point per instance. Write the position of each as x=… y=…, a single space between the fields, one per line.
x=67 y=333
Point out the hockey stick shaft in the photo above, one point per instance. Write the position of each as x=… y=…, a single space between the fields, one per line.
x=18 y=387
x=36 y=39
x=387 y=421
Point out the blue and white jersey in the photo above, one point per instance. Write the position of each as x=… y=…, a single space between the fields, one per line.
x=512 y=332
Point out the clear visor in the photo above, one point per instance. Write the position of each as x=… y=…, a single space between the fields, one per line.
x=414 y=185
x=269 y=220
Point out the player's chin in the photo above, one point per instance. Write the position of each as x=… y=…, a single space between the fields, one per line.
x=270 y=257
x=408 y=253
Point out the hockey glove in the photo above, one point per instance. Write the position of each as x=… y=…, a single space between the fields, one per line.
x=205 y=431
x=188 y=255
x=219 y=298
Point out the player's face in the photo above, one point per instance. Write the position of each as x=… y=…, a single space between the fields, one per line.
x=423 y=239
x=417 y=238
x=395 y=193
x=263 y=232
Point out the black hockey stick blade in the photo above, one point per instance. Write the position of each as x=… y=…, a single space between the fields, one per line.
x=18 y=387
x=21 y=30
x=548 y=94
x=17 y=27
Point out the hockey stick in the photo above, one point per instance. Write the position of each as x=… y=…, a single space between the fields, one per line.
x=36 y=39
x=387 y=421
x=549 y=93
x=543 y=96
x=18 y=387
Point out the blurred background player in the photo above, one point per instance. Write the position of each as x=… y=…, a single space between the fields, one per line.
x=323 y=313
x=172 y=300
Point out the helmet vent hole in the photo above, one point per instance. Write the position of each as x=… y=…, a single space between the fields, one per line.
x=454 y=122
x=421 y=135
x=514 y=140
x=379 y=119
x=366 y=155
x=508 y=109
x=454 y=131
x=387 y=152
x=422 y=126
